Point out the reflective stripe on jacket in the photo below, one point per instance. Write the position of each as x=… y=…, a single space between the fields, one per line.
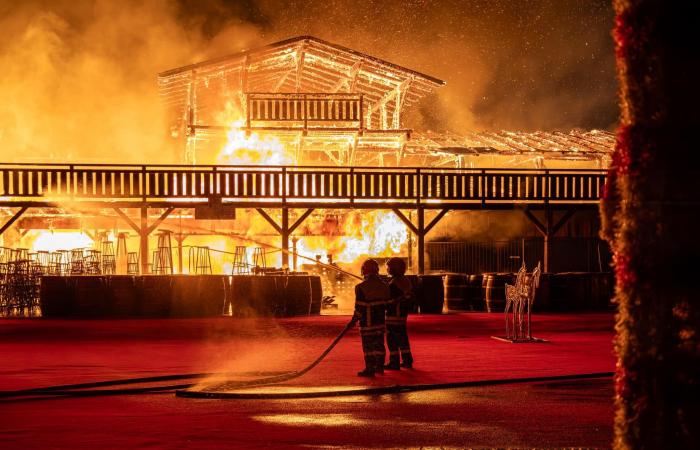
x=371 y=296
x=401 y=293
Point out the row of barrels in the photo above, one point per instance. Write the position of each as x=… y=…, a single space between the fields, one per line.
x=275 y=295
x=573 y=291
x=162 y=296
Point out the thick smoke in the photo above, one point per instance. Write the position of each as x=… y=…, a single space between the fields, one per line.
x=534 y=65
x=78 y=77
x=480 y=226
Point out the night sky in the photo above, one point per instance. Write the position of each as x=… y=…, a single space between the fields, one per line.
x=541 y=64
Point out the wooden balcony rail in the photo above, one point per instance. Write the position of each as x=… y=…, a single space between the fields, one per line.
x=346 y=186
x=345 y=109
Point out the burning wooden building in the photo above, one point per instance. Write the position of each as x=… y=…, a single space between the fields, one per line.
x=305 y=144
x=306 y=101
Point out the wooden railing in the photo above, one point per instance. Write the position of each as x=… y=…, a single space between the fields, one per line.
x=344 y=185
x=303 y=110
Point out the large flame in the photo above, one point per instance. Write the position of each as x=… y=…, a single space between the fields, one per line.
x=358 y=234
x=250 y=148
x=367 y=233
x=51 y=241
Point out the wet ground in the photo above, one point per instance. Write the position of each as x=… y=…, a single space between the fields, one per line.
x=448 y=348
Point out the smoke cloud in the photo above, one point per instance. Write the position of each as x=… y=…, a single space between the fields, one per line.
x=480 y=226
x=79 y=77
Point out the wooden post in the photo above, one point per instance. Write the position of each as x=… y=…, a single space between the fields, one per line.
x=548 y=229
x=295 y=259
x=285 y=237
x=143 y=234
x=547 y=235
x=421 y=240
x=180 y=238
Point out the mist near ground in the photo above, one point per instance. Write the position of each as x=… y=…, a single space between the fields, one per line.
x=79 y=77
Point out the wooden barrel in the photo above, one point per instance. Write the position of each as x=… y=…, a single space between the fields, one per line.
x=275 y=295
x=154 y=293
x=301 y=294
x=198 y=295
x=580 y=291
x=56 y=296
x=122 y=296
x=475 y=294
x=212 y=290
x=430 y=294
x=253 y=296
x=90 y=296
x=456 y=290
x=494 y=286
x=416 y=286
x=542 y=300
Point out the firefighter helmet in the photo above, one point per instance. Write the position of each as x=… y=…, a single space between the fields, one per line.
x=396 y=266
x=370 y=267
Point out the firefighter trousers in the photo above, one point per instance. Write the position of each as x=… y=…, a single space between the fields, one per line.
x=397 y=342
x=373 y=347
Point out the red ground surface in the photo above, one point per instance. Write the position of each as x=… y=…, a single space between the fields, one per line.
x=39 y=352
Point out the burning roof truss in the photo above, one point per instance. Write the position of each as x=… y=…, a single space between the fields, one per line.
x=331 y=105
x=303 y=84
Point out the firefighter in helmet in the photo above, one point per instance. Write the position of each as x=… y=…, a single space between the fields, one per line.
x=371 y=296
x=401 y=300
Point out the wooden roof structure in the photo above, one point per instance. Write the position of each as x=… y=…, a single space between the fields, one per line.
x=303 y=64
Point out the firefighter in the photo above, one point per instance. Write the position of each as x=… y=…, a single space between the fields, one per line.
x=401 y=299
x=371 y=296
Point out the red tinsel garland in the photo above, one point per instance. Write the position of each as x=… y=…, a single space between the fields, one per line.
x=648 y=217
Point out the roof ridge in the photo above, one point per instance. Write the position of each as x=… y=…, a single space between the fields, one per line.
x=292 y=40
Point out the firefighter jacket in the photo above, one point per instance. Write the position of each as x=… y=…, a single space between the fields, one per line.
x=371 y=297
x=401 y=299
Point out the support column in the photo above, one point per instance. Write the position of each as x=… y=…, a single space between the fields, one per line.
x=284 y=232
x=144 y=230
x=421 y=241
x=547 y=235
x=143 y=234
x=295 y=259
x=420 y=230
x=548 y=229
x=180 y=238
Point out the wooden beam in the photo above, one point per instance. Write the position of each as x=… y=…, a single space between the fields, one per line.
x=281 y=81
x=269 y=220
x=350 y=79
x=540 y=227
x=301 y=53
x=565 y=218
x=13 y=219
x=405 y=220
x=130 y=222
x=397 y=91
x=300 y=220
x=435 y=220
x=158 y=221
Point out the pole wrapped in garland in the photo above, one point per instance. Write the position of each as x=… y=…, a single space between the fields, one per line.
x=651 y=216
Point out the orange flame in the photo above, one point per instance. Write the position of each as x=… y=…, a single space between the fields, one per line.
x=371 y=233
x=52 y=241
x=249 y=148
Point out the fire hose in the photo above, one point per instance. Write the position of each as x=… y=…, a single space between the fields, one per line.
x=266 y=379
x=86 y=389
